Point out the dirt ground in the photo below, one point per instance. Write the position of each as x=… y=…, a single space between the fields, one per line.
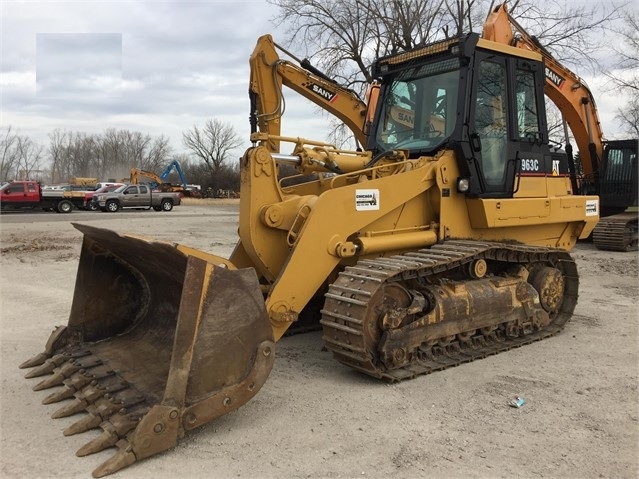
x=315 y=418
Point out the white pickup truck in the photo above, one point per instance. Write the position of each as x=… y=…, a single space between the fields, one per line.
x=137 y=196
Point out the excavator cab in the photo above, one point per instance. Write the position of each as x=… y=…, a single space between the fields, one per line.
x=618 y=229
x=618 y=176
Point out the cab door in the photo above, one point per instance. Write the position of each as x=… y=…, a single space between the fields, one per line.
x=143 y=197
x=130 y=196
x=529 y=133
x=493 y=153
x=507 y=126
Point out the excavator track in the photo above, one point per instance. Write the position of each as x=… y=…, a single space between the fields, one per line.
x=368 y=302
x=616 y=233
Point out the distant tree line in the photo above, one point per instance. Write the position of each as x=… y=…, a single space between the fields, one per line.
x=110 y=156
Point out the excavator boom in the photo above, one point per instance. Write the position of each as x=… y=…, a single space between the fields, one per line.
x=565 y=89
x=269 y=73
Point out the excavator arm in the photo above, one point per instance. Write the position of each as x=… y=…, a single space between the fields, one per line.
x=269 y=72
x=174 y=164
x=136 y=173
x=564 y=88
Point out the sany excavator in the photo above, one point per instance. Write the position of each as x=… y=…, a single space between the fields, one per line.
x=606 y=168
x=446 y=239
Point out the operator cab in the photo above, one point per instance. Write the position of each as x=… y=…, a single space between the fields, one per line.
x=466 y=94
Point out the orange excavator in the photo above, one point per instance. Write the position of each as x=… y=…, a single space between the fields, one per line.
x=606 y=168
x=444 y=239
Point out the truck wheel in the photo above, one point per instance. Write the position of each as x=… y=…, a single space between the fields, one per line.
x=167 y=205
x=64 y=207
x=92 y=206
x=112 y=206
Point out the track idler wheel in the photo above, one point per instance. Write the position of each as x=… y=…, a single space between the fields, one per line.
x=549 y=283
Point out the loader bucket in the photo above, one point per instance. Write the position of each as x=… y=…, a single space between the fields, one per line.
x=159 y=341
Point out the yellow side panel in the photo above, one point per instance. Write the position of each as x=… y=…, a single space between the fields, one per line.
x=496 y=213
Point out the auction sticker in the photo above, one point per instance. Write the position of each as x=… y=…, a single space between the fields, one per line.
x=366 y=200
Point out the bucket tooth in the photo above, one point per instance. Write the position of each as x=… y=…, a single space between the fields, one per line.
x=103 y=441
x=80 y=379
x=98 y=412
x=88 y=395
x=74 y=383
x=36 y=360
x=113 y=429
x=58 y=396
x=57 y=377
x=47 y=367
x=74 y=407
x=108 y=387
x=121 y=459
x=85 y=424
x=87 y=362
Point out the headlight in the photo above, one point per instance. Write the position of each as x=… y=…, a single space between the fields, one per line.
x=462 y=185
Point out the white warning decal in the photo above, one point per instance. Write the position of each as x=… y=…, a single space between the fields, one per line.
x=592 y=207
x=366 y=200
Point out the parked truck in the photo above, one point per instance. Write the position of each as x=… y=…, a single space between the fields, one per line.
x=30 y=194
x=83 y=199
x=137 y=196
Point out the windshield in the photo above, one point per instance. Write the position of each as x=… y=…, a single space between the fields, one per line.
x=120 y=189
x=419 y=109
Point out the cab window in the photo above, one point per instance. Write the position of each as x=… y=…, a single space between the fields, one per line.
x=526 y=105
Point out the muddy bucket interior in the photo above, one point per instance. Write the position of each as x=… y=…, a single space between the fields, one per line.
x=157 y=342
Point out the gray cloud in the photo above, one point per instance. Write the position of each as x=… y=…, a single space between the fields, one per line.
x=78 y=64
x=178 y=63
x=156 y=67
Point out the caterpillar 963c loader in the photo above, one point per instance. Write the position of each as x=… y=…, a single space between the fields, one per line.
x=445 y=240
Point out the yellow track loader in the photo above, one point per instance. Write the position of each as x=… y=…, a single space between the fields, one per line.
x=443 y=240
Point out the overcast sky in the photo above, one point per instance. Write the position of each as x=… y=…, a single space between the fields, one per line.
x=157 y=67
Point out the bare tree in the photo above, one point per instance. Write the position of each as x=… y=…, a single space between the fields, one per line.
x=573 y=33
x=625 y=75
x=213 y=143
x=29 y=156
x=8 y=154
x=157 y=154
x=58 y=147
x=346 y=36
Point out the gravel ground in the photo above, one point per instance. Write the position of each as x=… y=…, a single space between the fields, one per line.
x=316 y=418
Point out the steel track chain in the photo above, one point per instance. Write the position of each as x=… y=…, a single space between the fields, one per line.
x=347 y=301
x=616 y=233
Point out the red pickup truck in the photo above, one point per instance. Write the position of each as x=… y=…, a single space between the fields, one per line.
x=85 y=199
x=29 y=194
